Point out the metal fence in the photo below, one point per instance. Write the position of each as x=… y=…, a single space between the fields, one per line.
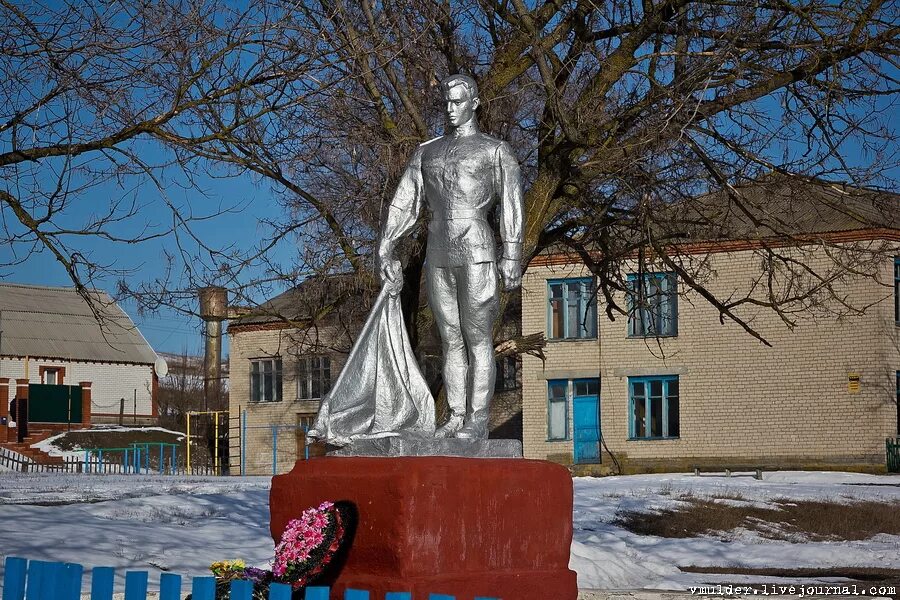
x=111 y=460
x=281 y=444
x=892 y=448
x=14 y=461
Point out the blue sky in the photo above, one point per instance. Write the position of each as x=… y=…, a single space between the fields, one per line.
x=166 y=330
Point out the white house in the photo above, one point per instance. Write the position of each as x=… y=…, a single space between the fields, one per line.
x=52 y=335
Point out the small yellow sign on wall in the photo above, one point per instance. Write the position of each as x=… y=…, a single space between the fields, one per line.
x=853 y=383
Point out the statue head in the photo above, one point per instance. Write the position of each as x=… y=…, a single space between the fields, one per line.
x=460 y=99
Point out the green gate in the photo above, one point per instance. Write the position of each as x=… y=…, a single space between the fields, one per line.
x=893 y=455
x=54 y=403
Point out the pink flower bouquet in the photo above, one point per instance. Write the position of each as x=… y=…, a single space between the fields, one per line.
x=308 y=544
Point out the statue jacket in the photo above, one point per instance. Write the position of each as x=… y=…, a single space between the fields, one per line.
x=457 y=179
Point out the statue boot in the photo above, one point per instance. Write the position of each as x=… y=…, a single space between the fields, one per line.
x=451 y=427
x=475 y=428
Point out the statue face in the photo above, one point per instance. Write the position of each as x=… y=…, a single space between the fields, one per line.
x=459 y=106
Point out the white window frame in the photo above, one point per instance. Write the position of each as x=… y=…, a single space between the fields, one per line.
x=47 y=373
x=258 y=376
x=566 y=400
x=310 y=369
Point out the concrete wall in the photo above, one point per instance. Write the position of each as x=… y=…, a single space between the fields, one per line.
x=111 y=382
x=741 y=402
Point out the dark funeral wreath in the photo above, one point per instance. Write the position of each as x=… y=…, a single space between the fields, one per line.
x=307 y=546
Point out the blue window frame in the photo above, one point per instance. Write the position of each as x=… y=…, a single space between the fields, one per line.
x=652 y=305
x=571 y=309
x=558 y=409
x=897 y=290
x=654 y=411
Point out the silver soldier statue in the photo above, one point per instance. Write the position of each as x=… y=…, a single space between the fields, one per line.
x=458 y=177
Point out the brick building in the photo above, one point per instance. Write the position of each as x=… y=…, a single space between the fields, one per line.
x=283 y=358
x=670 y=387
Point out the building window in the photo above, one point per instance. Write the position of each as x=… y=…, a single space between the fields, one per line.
x=313 y=377
x=652 y=305
x=507 y=369
x=897 y=290
x=586 y=387
x=51 y=375
x=265 y=380
x=558 y=409
x=306 y=420
x=653 y=407
x=572 y=309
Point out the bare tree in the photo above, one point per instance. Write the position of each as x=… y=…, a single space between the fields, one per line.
x=628 y=117
x=181 y=390
x=93 y=95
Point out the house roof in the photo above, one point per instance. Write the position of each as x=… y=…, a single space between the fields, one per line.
x=56 y=322
x=309 y=301
x=780 y=206
x=775 y=210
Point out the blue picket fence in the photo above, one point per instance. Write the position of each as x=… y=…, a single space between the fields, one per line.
x=39 y=580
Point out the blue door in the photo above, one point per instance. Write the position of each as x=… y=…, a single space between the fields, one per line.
x=586 y=404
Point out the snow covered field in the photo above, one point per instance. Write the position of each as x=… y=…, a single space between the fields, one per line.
x=183 y=524
x=153 y=523
x=606 y=556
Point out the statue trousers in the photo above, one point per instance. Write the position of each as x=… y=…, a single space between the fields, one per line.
x=465 y=301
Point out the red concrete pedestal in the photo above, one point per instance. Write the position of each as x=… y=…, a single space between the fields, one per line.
x=460 y=526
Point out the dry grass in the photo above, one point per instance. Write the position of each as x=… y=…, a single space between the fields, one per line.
x=790 y=521
x=728 y=495
x=855 y=573
x=100 y=438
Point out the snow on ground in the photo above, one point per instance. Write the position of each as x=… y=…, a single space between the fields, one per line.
x=606 y=556
x=49 y=445
x=183 y=524
x=153 y=523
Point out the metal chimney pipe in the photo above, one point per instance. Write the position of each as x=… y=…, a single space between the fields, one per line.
x=213 y=310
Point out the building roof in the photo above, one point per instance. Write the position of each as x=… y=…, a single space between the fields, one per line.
x=775 y=210
x=56 y=322
x=778 y=206
x=315 y=299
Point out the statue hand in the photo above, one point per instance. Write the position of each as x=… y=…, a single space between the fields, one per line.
x=510 y=273
x=392 y=275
